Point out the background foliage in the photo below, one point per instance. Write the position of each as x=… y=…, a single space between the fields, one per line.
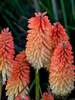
x=15 y=13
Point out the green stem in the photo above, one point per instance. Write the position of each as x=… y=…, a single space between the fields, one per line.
x=0 y=85
x=37 y=87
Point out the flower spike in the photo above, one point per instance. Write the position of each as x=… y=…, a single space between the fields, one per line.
x=21 y=97
x=38 y=47
x=6 y=52
x=62 y=75
x=58 y=34
x=18 y=83
x=47 y=96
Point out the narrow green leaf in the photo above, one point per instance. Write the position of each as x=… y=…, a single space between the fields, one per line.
x=10 y=14
x=37 y=9
x=70 y=27
x=19 y=7
x=55 y=12
x=9 y=24
x=63 y=12
x=64 y=15
x=73 y=8
x=45 y=8
x=31 y=86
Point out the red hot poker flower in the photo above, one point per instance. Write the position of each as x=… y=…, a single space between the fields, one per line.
x=6 y=51
x=47 y=96
x=61 y=76
x=38 y=49
x=58 y=34
x=19 y=77
x=21 y=97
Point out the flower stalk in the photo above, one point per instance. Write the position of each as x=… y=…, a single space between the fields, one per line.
x=37 y=86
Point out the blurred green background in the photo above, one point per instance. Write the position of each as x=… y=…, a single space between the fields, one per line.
x=15 y=13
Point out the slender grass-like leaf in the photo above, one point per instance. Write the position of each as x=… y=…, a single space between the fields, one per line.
x=31 y=86
x=10 y=14
x=64 y=14
x=73 y=8
x=37 y=9
x=70 y=27
x=43 y=7
x=55 y=12
x=19 y=27
x=19 y=7
x=10 y=25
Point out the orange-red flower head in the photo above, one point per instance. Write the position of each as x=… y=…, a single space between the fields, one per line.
x=58 y=34
x=6 y=51
x=47 y=96
x=21 y=97
x=61 y=76
x=19 y=77
x=38 y=49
